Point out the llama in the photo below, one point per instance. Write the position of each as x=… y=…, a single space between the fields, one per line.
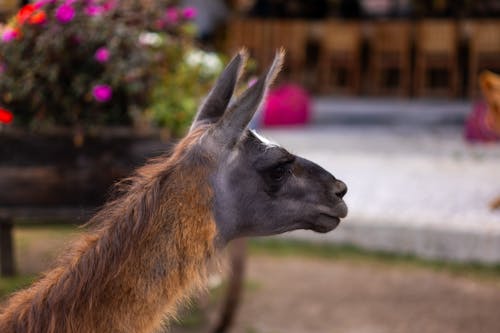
x=147 y=249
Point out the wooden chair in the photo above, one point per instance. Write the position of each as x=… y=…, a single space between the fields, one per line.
x=234 y=36
x=293 y=36
x=262 y=37
x=484 y=46
x=390 y=50
x=436 y=48
x=340 y=49
x=252 y=34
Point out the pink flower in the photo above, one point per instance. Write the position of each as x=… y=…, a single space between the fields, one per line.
x=159 y=24
x=9 y=34
x=109 y=5
x=39 y=4
x=93 y=10
x=172 y=16
x=189 y=13
x=102 y=93
x=101 y=55
x=65 y=13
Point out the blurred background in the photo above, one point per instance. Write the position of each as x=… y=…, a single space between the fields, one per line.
x=400 y=99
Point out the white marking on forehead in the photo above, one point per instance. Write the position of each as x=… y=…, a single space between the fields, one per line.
x=265 y=140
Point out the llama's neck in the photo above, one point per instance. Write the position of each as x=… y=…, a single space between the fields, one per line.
x=149 y=252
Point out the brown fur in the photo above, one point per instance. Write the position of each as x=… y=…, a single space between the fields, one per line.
x=147 y=251
x=490 y=87
x=495 y=204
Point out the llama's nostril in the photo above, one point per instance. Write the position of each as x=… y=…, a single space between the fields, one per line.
x=340 y=188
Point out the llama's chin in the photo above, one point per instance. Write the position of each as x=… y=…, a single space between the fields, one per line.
x=325 y=223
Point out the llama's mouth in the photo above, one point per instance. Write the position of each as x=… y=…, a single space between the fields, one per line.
x=325 y=223
x=330 y=219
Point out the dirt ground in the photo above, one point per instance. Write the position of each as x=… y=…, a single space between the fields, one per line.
x=313 y=295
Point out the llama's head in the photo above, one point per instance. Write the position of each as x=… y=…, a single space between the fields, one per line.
x=259 y=187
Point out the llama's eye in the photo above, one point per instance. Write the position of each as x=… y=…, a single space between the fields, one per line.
x=277 y=173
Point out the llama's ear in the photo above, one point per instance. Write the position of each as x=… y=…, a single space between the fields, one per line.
x=239 y=114
x=217 y=100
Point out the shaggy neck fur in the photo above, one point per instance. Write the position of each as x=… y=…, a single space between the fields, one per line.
x=148 y=251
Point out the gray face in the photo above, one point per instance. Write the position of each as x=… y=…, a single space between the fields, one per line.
x=259 y=187
x=262 y=189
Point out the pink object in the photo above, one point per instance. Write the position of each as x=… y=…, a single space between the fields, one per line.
x=109 y=5
x=41 y=3
x=172 y=15
x=189 y=13
x=102 y=93
x=65 y=13
x=9 y=34
x=287 y=105
x=476 y=126
x=252 y=81
x=102 y=55
x=93 y=10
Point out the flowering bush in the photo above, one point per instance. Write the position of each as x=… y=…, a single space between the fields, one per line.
x=89 y=62
x=175 y=98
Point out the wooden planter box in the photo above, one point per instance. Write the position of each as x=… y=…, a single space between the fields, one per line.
x=49 y=171
x=46 y=177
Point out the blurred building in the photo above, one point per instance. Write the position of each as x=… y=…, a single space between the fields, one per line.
x=373 y=47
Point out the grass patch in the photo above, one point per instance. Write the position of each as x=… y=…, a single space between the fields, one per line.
x=191 y=318
x=36 y=245
x=287 y=248
x=11 y=284
x=26 y=233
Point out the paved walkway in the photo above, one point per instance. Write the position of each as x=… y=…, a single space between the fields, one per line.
x=414 y=185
